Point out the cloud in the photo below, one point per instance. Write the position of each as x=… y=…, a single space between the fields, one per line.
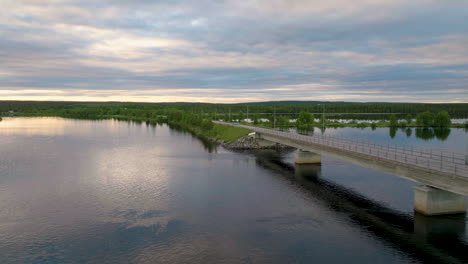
x=231 y=51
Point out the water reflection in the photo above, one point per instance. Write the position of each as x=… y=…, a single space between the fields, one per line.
x=408 y=132
x=439 y=229
x=208 y=144
x=442 y=133
x=308 y=171
x=124 y=192
x=393 y=131
x=309 y=131
x=429 y=239
x=428 y=133
x=424 y=133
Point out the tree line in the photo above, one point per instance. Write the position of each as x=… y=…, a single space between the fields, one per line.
x=273 y=114
x=372 y=111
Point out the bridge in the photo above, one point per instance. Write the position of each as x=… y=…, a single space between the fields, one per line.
x=444 y=175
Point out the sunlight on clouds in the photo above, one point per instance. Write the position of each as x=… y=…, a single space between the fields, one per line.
x=117 y=43
x=154 y=63
x=308 y=92
x=9 y=93
x=130 y=47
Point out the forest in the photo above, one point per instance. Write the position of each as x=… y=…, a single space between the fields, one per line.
x=372 y=111
x=270 y=114
x=431 y=120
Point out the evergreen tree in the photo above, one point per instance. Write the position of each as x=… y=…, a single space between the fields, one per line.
x=393 y=120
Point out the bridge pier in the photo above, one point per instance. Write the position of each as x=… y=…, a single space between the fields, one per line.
x=308 y=171
x=427 y=227
x=432 y=201
x=307 y=157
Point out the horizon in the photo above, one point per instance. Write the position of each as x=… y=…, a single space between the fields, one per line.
x=284 y=102
x=388 y=51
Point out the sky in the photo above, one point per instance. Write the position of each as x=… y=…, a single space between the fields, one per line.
x=226 y=51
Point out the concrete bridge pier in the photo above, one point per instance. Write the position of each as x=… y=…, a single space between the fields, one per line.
x=429 y=227
x=307 y=171
x=307 y=157
x=432 y=201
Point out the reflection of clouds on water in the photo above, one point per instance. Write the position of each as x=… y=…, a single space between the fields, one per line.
x=291 y=221
x=152 y=195
x=44 y=126
x=140 y=218
x=436 y=238
x=132 y=214
x=56 y=126
x=109 y=243
x=447 y=139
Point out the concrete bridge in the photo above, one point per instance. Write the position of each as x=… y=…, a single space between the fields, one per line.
x=444 y=175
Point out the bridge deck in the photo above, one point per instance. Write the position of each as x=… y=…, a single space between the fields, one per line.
x=448 y=163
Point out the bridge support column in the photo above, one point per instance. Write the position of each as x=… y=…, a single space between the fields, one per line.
x=432 y=201
x=307 y=157
x=450 y=227
x=307 y=171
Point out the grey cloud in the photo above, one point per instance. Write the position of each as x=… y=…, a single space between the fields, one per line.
x=345 y=52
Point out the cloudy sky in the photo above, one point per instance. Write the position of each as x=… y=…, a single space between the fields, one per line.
x=234 y=50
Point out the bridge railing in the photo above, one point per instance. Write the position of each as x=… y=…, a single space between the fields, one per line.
x=431 y=159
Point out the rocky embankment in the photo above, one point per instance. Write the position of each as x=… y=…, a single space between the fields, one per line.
x=249 y=142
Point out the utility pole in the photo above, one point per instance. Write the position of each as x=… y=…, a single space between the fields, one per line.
x=230 y=120
x=466 y=156
x=274 y=116
x=323 y=117
x=247 y=112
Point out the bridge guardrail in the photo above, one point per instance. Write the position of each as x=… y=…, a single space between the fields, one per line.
x=431 y=159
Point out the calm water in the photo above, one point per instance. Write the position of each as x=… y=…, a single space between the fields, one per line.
x=75 y=191
x=452 y=139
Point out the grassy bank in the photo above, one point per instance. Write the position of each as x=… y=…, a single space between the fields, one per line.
x=228 y=133
x=214 y=132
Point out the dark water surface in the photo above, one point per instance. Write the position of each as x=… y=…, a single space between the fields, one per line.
x=74 y=191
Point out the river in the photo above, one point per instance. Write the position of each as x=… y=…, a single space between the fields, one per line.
x=81 y=191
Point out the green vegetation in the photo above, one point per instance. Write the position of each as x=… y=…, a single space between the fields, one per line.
x=282 y=122
x=197 y=116
x=333 y=110
x=393 y=120
x=428 y=119
x=425 y=119
x=442 y=119
x=304 y=121
x=227 y=133
x=203 y=127
x=409 y=119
